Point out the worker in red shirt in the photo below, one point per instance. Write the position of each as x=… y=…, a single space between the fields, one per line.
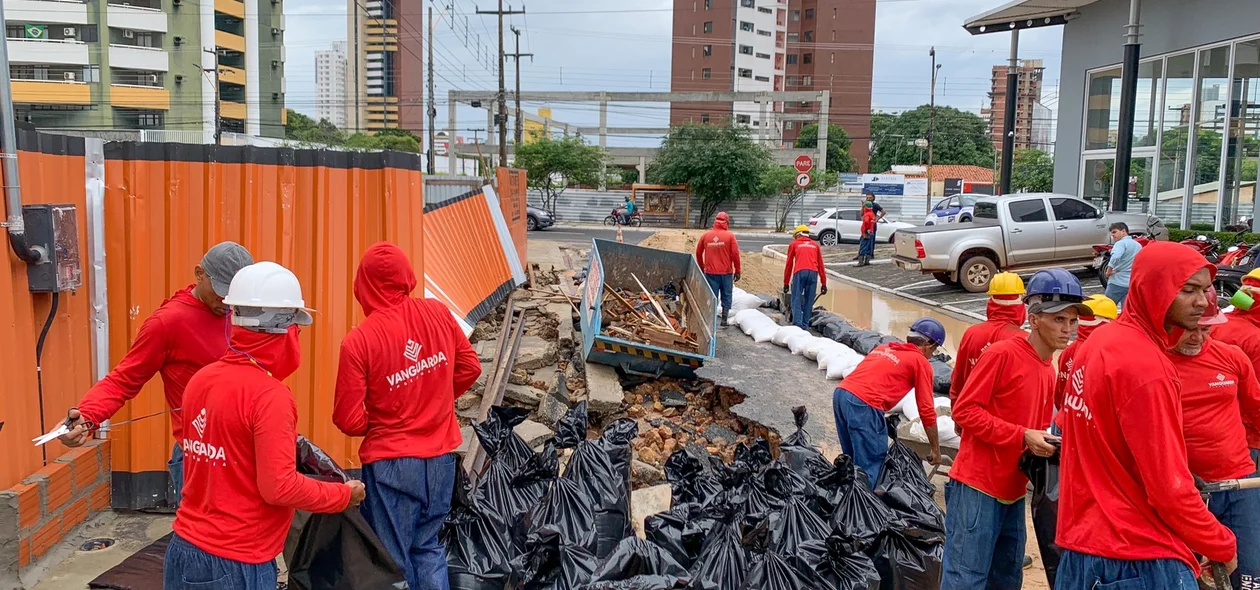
x=1218 y=385
x=880 y=381
x=1129 y=512
x=866 y=243
x=1101 y=311
x=717 y=252
x=243 y=485
x=184 y=334
x=1243 y=330
x=400 y=372
x=1005 y=408
x=803 y=273
x=1004 y=316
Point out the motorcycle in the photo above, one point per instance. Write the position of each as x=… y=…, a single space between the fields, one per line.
x=616 y=218
x=1206 y=246
x=1235 y=255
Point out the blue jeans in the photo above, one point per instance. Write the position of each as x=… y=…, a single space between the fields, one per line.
x=1255 y=458
x=722 y=286
x=1080 y=571
x=1117 y=293
x=984 y=540
x=866 y=246
x=176 y=468
x=804 y=285
x=1239 y=511
x=187 y=567
x=407 y=500
x=863 y=432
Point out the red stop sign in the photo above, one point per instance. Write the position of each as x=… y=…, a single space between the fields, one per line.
x=803 y=163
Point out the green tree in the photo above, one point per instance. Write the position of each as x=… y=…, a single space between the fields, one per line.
x=629 y=175
x=959 y=138
x=838 y=145
x=1032 y=171
x=780 y=181
x=718 y=163
x=551 y=165
x=303 y=129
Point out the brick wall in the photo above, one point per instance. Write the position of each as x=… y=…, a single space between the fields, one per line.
x=39 y=512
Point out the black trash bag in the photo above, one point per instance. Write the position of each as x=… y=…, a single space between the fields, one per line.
x=681 y=531
x=639 y=565
x=757 y=503
x=904 y=487
x=906 y=563
x=550 y=564
x=478 y=542
x=509 y=493
x=942 y=373
x=313 y=462
x=566 y=511
x=860 y=515
x=1043 y=472
x=838 y=562
x=771 y=571
x=796 y=449
x=691 y=476
x=902 y=466
x=602 y=468
x=769 y=302
x=723 y=561
x=864 y=341
x=831 y=326
x=783 y=531
x=499 y=440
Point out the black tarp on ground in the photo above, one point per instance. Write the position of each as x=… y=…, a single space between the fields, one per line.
x=830 y=325
x=142 y=571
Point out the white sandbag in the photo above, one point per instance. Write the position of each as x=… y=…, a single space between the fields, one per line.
x=798 y=343
x=829 y=352
x=945 y=432
x=944 y=407
x=817 y=346
x=742 y=300
x=841 y=365
x=764 y=332
x=785 y=332
x=751 y=318
x=741 y=316
x=907 y=407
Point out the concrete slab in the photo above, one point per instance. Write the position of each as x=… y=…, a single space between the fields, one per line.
x=535 y=353
x=645 y=502
x=603 y=389
x=526 y=395
x=564 y=313
x=533 y=433
x=773 y=381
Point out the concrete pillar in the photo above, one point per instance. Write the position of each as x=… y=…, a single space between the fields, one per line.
x=765 y=123
x=643 y=170
x=490 y=137
x=824 y=106
x=603 y=138
x=450 y=137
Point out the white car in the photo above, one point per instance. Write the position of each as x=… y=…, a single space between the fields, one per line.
x=830 y=226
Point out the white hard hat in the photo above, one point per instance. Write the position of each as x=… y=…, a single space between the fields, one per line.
x=267 y=295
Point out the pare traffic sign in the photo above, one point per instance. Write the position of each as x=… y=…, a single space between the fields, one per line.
x=803 y=163
x=803 y=179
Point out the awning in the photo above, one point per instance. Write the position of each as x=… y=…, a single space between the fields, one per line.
x=1025 y=14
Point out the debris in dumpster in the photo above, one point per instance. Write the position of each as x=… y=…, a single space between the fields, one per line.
x=1043 y=504
x=477 y=541
x=657 y=318
x=636 y=564
x=601 y=467
x=838 y=562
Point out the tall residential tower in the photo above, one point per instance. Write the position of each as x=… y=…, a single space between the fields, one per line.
x=330 y=84
x=386 y=66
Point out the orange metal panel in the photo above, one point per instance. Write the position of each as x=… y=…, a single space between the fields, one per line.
x=454 y=243
x=512 y=195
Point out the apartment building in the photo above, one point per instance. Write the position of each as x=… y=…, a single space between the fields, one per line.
x=330 y=84
x=148 y=64
x=779 y=45
x=386 y=67
x=1031 y=128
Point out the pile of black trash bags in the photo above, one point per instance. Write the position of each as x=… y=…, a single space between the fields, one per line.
x=798 y=521
x=830 y=325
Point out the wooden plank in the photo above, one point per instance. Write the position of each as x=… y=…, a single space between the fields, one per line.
x=708 y=332
x=655 y=304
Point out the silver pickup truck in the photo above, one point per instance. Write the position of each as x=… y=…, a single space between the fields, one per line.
x=1020 y=232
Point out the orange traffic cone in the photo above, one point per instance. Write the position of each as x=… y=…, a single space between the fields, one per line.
x=618 y=233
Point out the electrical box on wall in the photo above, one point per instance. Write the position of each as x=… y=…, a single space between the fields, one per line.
x=53 y=231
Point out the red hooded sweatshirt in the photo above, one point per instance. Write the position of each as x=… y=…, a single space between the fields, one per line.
x=1125 y=488
x=1217 y=386
x=718 y=251
x=180 y=338
x=1243 y=330
x=868 y=220
x=887 y=373
x=1012 y=391
x=1005 y=316
x=241 y=485
x=402 y=368
x=804 y=254
x=1067 y=357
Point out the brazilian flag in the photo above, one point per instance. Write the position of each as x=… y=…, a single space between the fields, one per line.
x=36 y=31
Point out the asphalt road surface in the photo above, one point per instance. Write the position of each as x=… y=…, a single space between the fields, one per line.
x=582 y=235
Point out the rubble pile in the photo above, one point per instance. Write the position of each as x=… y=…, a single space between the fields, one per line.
x=658 y=318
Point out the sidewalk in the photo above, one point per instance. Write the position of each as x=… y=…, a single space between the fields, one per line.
x=742 y=233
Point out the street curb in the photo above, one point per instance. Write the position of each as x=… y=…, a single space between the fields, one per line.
x=738 y=234
x=952 y=311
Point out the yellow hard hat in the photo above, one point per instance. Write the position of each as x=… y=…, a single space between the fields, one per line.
x=1252 y=278
x=1006 y=283
x=801 y=229
x=1103 y=306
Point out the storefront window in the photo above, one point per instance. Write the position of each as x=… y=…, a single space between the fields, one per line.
x=1174 y=148
x=1098 y=181
x=1102 y=110
x=1146 y=111
x=1213 y=91
x=1242 y=145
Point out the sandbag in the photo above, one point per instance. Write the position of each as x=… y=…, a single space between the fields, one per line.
x=945 y=432
x=796 y=449
x=843 y=365
x=782 y=335
x=864 y=341
x=771 y=571
x=764 y=332
x=602 y=468
x=798 y=343
x=1043 y=503
x=636 y=564
x=739 y=317
x=769 y=302
x=722 y=563
x=942 y=374
x=741 y=300
x=905 y=563
x=838 y=563
x=817 y=346
x=551 y=564
x=908 y=406
x=860 y=516
x=831 y=326
x=477 y=542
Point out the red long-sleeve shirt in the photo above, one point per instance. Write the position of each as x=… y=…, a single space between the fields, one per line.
x=1217 y=386
x=804 y=254
x=717 y=252
x=403 y=367
x=177 y=340
x=1125 y=487
x=1067 y=356
x=1011 y=391
x=868 y=221
x=1243 y=330
x=887 y=373
x=241 y=485
x=1004 y=320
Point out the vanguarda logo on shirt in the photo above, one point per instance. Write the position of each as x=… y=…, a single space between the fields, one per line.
x=200 y=449
x=418 y=366
x=1221 y=381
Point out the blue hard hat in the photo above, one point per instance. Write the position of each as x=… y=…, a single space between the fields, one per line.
x=930 y=329
x=1054 y=290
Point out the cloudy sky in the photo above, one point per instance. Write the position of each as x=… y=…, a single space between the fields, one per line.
x=625 y=45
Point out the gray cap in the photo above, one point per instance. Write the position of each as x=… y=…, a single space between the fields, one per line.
x=222 y=262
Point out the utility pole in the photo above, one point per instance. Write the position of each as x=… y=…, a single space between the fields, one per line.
x=1128 y=106
x=517 y=57
x=1008 y=127
x=432 y=159
x=931 y=126
x=501 y=116
x=218 y=98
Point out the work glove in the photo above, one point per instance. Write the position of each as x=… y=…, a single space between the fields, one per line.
x=736 y=277
x=785 y=287
x=824 y=289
